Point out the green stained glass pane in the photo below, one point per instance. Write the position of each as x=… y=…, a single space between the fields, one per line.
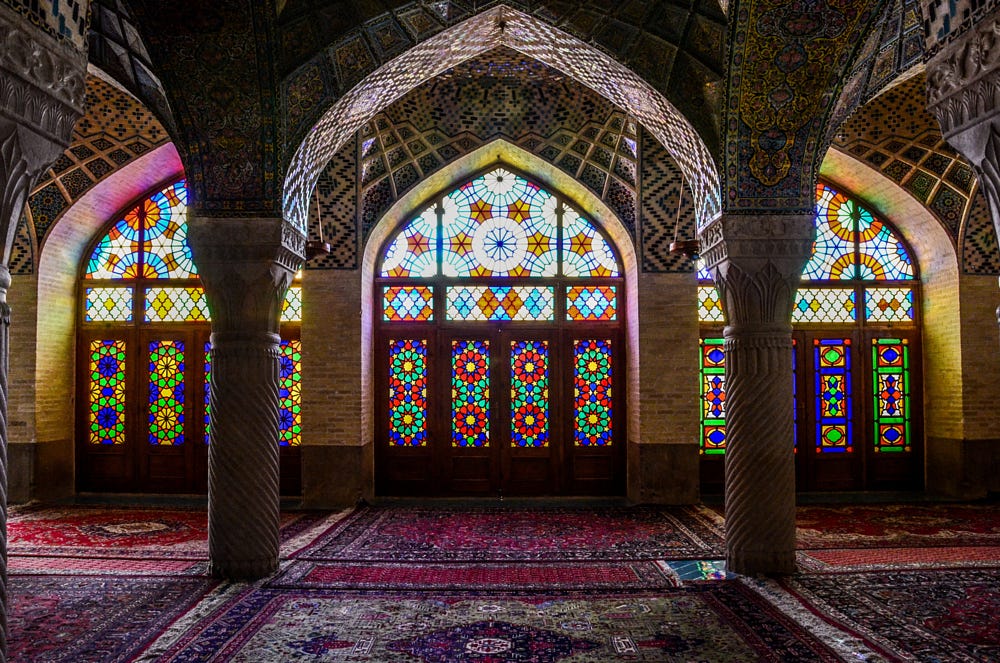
x=592 y=419
x=408 y=393
x=824 y=305
x=166 y=393
x=709 y=304
x=529 y=393
x=713 y=397
x=891 y=379
x=176 y=305
x=500 y=302
x=290 y=394
x=889 y=304
x=106 y=417
x=167 y=255
x=470 y=389
x=291 y=308
x=108 y=305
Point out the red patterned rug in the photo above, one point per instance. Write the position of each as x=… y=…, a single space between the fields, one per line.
x=479 y=534
x=715 y=622
x=94 y=618
x=927 y=615
x=83 y=531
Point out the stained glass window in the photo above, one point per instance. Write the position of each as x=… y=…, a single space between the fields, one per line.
x=891 y=379
x=291 y=308
x=401 y=303
x=408 y=393
x=592 y=392
x=529 y=393
x=107 y=392
x=713 y=397
x=500 y=302
x=834 y=425
x=470 y=389
x=889 y=304
x=585 y=252
x=208 y=383
x=824 y=305
x=413 y=253
x=176 y=305
x=592 y=302
x=166 y=392
x=108 y=305
x=709 y=304
x=116 y=255
x=290 y=394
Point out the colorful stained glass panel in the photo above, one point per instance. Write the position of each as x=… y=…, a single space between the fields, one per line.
x=592 y=415
x=166 y=393
x=106 y=418
x=592 y=302
x=824 y=305
x=167 y=255
x=500 y=302
x=470 y=393
x=116 y=255
x=529 y=393
x=713 y=397
x=881 y=256
x=176 y=305
x=208 y=393
x=709 y=305
x=291 y=308
x=413 y=253
x=108 y=305
x=889 y=304
x=408 y=393
x=833 y=250
x=834 y=423
x=407 y=303
x=584 y=250
x=499 y=224
x=891 y=377
x=290 y=394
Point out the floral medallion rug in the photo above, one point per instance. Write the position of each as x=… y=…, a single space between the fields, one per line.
x=94 y=618
x=941 y=615
x=479 y=534
x=717 y=622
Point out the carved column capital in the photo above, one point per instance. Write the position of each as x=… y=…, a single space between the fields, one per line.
x=756 y=261
x=246 y=265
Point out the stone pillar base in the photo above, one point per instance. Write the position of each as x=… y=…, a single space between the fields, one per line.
x=244 y=569
x=761 y=562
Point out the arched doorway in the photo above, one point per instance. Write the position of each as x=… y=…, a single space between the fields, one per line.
x=856 y=358
x=144 y=360
x=499 y=347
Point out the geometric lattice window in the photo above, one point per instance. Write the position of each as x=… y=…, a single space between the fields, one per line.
x=891 y=379
x=713 y=397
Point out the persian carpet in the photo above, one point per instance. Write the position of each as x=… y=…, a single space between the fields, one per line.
x=722 y=621
x=94 y=618
x=480 y=534
x=84 y=531
x=937 y=615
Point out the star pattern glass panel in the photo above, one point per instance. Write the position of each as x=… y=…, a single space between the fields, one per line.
x=584 y=249
x=834 y=423
x=413 y=253
x=881 y=256
x=889 y=304
x=499 y=224
x=836 y=225
x=824 y=305
x=176 y=305
x=165 y=417
x=709 y=304
x=592 y=393
x=291 y=308
x=701 y=269
x=407 y=303
x=713 y=397
x=116 y=255
x=408 y=393
x=108 y=305
x=529 y=393
x=208 y=393
x=106 y=418
x=470 y=393
x=167 y=255
x=592 y=302
x=891 y=377
x=500 y=302
x=290 y=394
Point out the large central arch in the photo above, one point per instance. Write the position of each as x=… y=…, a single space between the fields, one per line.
x=503 y=26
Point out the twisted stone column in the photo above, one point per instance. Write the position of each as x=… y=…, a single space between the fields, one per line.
x=963 y=93
x=757 y=263
x=41 y=98
x=246 y=265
